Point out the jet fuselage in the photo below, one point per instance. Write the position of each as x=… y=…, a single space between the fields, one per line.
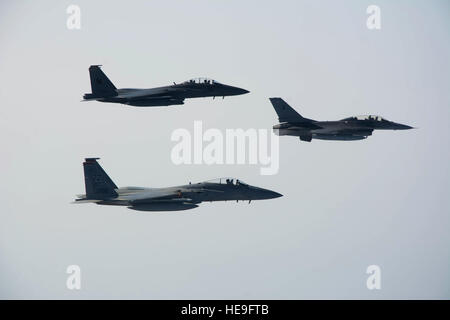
x=102 y=190
x=352 y=128
x=103 y=90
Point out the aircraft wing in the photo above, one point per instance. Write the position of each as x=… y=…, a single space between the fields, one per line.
x=155 y=196
x=293 y=131
x=350 y=132
x=163 y=196
x=149 y=195
x=156 y=93
x=208 y=190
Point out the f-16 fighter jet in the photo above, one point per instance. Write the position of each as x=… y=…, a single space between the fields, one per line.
x=352 y=128
x=100 y=189
x=103 y=90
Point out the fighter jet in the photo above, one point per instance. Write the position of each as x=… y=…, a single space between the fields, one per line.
x=100 y=189
x=352 y=128
x=103 y=90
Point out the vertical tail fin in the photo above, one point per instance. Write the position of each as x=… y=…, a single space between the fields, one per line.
x=100 y=84
x=285 y=112
x=98 y=184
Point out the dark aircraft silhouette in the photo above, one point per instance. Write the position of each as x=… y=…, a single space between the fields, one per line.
x=103 y=90
x=352 y=128
x=100 y=189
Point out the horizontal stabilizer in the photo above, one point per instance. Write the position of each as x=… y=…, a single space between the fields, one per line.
x=89 y=99
x=86 y=201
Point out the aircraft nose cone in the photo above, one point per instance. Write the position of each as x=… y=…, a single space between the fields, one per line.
x=273 y=194
x=234 y=91
x=241 y=91
x=402 y=127
x=256 y=193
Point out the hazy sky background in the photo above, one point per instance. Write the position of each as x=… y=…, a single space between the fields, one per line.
x=346 y=205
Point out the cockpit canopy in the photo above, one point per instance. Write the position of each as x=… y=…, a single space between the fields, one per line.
x=231 y=181
x=366 y=117
x=201 y=81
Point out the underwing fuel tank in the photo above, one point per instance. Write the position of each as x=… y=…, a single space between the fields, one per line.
x=164 y=207
x=154 y=103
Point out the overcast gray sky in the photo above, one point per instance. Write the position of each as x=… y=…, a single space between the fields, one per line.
x=346 y=205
